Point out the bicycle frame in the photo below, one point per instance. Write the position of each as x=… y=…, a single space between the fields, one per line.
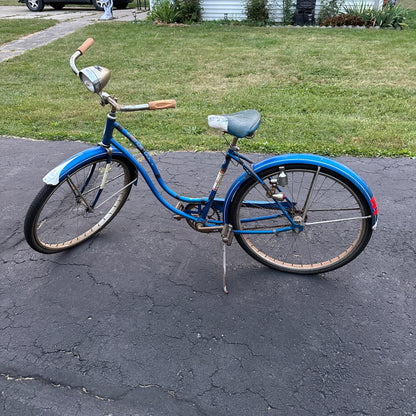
x=208 y=202
x=110 y=147
x=318 y=191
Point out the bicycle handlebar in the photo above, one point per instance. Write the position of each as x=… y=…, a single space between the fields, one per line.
x=106 y=98
x=153 y=105
x=80 y=51
x=162 y=104
x=86 y=45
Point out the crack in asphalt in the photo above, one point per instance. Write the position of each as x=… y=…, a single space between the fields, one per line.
x=54 y=384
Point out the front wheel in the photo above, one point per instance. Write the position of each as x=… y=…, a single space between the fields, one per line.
x=332 y=218
x=65 y=215
x=35 y=5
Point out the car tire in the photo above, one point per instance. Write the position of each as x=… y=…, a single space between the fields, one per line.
x=35 y=5
x=99 y=4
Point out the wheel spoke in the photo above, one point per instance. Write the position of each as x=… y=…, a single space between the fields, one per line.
x=333 y=221
x=308 y=197
x=64 y=215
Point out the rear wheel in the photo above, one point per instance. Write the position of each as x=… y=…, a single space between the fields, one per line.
x=69 y=213
x=335 y=217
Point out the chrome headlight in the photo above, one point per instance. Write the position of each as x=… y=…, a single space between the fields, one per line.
x=95 y=78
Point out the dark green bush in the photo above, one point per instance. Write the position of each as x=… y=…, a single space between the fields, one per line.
x=329 y=8
x=387 y=16
x=288 y=12
x=189 y=11
x=343 y=20
x=257 y=11
x=176 y=11
x=163 y=11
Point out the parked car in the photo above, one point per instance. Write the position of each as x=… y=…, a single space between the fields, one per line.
x=38 y=5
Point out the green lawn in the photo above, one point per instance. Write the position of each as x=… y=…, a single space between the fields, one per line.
x=329 y=91
x=11 y=3
x=408 y=4
x=16 y=28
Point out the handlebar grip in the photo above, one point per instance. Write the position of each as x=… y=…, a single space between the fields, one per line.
x=87 y=44
x=162 y=104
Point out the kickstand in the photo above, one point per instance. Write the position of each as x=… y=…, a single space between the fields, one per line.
x=224 y=267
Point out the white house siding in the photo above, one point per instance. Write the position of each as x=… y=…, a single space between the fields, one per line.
x=219 y=10
x=235 y=9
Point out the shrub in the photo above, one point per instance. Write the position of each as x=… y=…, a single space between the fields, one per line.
x=343 y=20
x=189 y=11
x=257 y=11
x=329 y=8
x=365 y=12
x=391 y=16
x=176 y=11
x=163 y=11
x=388 y=16
x=288 y=12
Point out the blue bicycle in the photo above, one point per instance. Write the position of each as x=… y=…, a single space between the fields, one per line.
x=297 y=213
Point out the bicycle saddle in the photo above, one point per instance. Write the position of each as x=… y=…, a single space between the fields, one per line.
x=241 y=124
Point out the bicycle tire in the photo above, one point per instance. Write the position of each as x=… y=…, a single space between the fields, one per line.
x=330 y=237
x=58 y=219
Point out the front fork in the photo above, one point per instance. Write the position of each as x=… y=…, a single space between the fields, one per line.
x=80 y=192
x=109 y=151
x=105 y=144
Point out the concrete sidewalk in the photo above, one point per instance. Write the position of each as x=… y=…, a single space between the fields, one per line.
x=70 y=20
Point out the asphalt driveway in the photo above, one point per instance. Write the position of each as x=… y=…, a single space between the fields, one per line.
x=134 y=322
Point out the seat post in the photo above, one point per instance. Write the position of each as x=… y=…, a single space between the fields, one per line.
x=233 y=145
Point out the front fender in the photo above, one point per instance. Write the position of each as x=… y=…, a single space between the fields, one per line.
x=315 y=160
x=74 y=162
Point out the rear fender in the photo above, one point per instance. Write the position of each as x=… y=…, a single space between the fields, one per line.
x=67 y=167
x=324 y=162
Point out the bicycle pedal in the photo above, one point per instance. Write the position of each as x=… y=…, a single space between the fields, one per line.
x=227 y=234
x=180 y=207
